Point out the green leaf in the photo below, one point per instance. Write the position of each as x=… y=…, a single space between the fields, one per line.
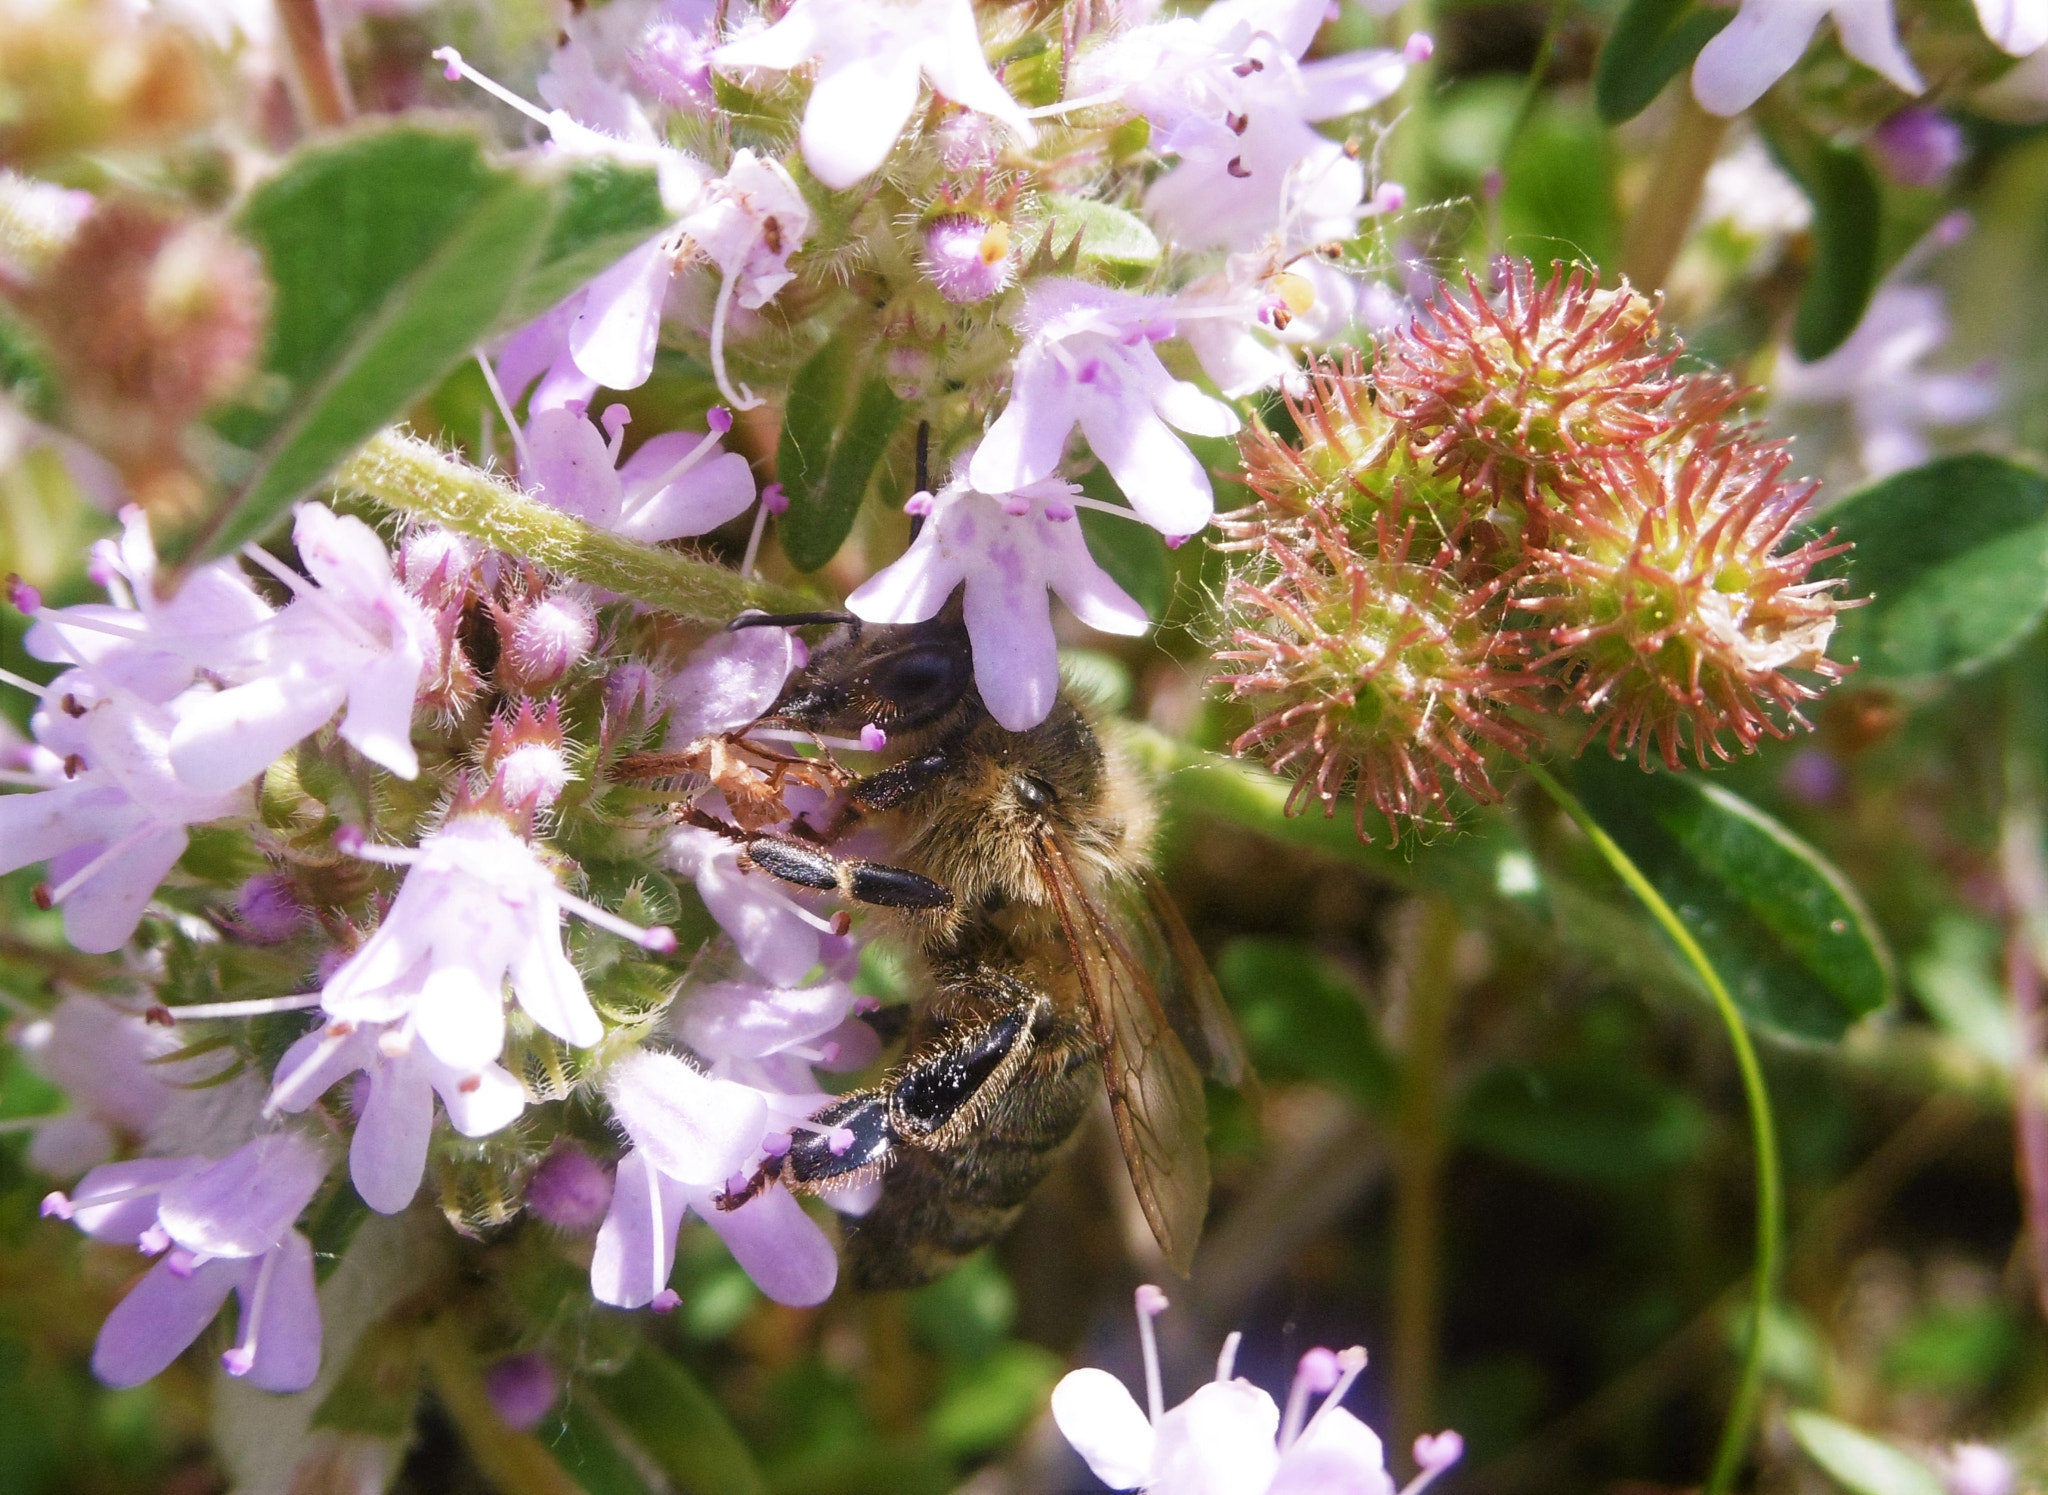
x=587 y=1451
x=1955 y=979
x=1652 y=41
x=392 y=253
x=1586 y=1119
x=1791 y=938
x=1848 y=216
x=1132 y=553
x=1859 y=1462
x=834 y=432
x=604 y=209
x=680 y=1426
x=1954 y=558
x=1109 y=235
x=1303 y=1019
x=986 y=1403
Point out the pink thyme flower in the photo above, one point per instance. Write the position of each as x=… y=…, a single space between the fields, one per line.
x=220 y=1227
x=1767 y=38
x=869 y=59
x=1013 y=552
x=967 y=257
x=477 y=904
x=387 y=1152
x=1229 y=1438
x=108 y=1060
x=1089 y=360
x=353 y=639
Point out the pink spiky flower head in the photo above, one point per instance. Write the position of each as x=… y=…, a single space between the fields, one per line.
x=1508 y=393
x=1675 y=613
x=1372 y=674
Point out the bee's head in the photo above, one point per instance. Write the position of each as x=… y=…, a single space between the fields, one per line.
x=899 y=678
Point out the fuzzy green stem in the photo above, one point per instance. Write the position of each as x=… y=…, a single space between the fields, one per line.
x=412 y=476
x=1770 y=1204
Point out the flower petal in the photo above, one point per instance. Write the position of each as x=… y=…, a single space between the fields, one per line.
x=1351 y=82
x=492 y=1100
x=1752 y=52
x=1218 y=1442
x=1029 y=438
x=550 y=990
x=779 y=1246
x=613 y=337
x=459 y=1018
x=1336 y=1454
x=288 y=1341
x=1154 y=468
x=103 y=912
x=696 y=503
x=728 y=683
x=636 y=1245
x=1016 y=657
x=162 y=1314
x=2018 y=28
x=244 y=1204
x=857 y=109
x=1106 y=1427
x=1870 y=34
x=695 y=1129
x=388 y=1154
x=380 y=699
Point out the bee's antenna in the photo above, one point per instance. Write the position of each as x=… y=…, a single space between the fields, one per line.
x=790 y=620
x=924 y=470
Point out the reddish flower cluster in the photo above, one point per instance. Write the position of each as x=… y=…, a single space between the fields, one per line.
x=1518 y=508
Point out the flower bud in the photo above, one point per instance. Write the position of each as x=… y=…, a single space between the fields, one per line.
x=438 y=566
x=1918 y=146
x=673 y=62
x=1370 y=674
x=543 y=639
x=525 y=757
x=968 y=257
x=521 y=1389
x=267 y=912
x=570 y=1189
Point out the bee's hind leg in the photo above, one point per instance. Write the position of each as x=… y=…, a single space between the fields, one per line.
x=814 y=867
x=938 y=1095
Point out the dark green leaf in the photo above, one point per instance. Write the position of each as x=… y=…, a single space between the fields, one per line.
x=680 y=1425
x=1954 y=558
x=1583 y=1119
x=587 y=1451
x=1302 y=1019
x=1859 y=1462
x=1132 y=553
x=829 y=451
x=1783 y=928
x=392 y=253
x=1651 y=42
x=1955 y=1349
x=1557 y=201
x=605 y=208
x=1848 y=216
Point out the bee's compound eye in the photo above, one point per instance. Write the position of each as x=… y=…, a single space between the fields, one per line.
x=920 y=682
x=1034 y=793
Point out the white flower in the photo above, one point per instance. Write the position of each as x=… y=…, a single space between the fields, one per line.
x=1877 y=375
x=1229 y=1438
x=2018 y=27
x=1767 y=37
x=1089 y=360
x=1010 y=551
x=748 y=224
x=115 y=827
x=869 y=55
x=477 y=905
x=388 y=1152
x=354 y=637
x=1747 y=190
x=1226 y=93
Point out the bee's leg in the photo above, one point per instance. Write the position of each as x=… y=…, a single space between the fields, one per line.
x=885 y=789
x=936 y=1097
x=862 y=881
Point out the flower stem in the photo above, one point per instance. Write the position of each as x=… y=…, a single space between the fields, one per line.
x=1419 y=1164
x=1656 y=230
x=1770 y=1205
x=322 y=88
x=410 y=475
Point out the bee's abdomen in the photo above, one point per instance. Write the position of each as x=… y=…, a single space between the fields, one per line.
x=940 y=1205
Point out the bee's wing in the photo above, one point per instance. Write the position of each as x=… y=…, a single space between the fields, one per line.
x=1155 y=1087
x=1187 y=989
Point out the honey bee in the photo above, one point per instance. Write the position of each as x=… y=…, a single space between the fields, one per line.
x=1051 y=954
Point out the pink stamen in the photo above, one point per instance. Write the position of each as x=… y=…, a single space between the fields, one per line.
x=1151 y=1303
x=873 y=738
x=668 y=1300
